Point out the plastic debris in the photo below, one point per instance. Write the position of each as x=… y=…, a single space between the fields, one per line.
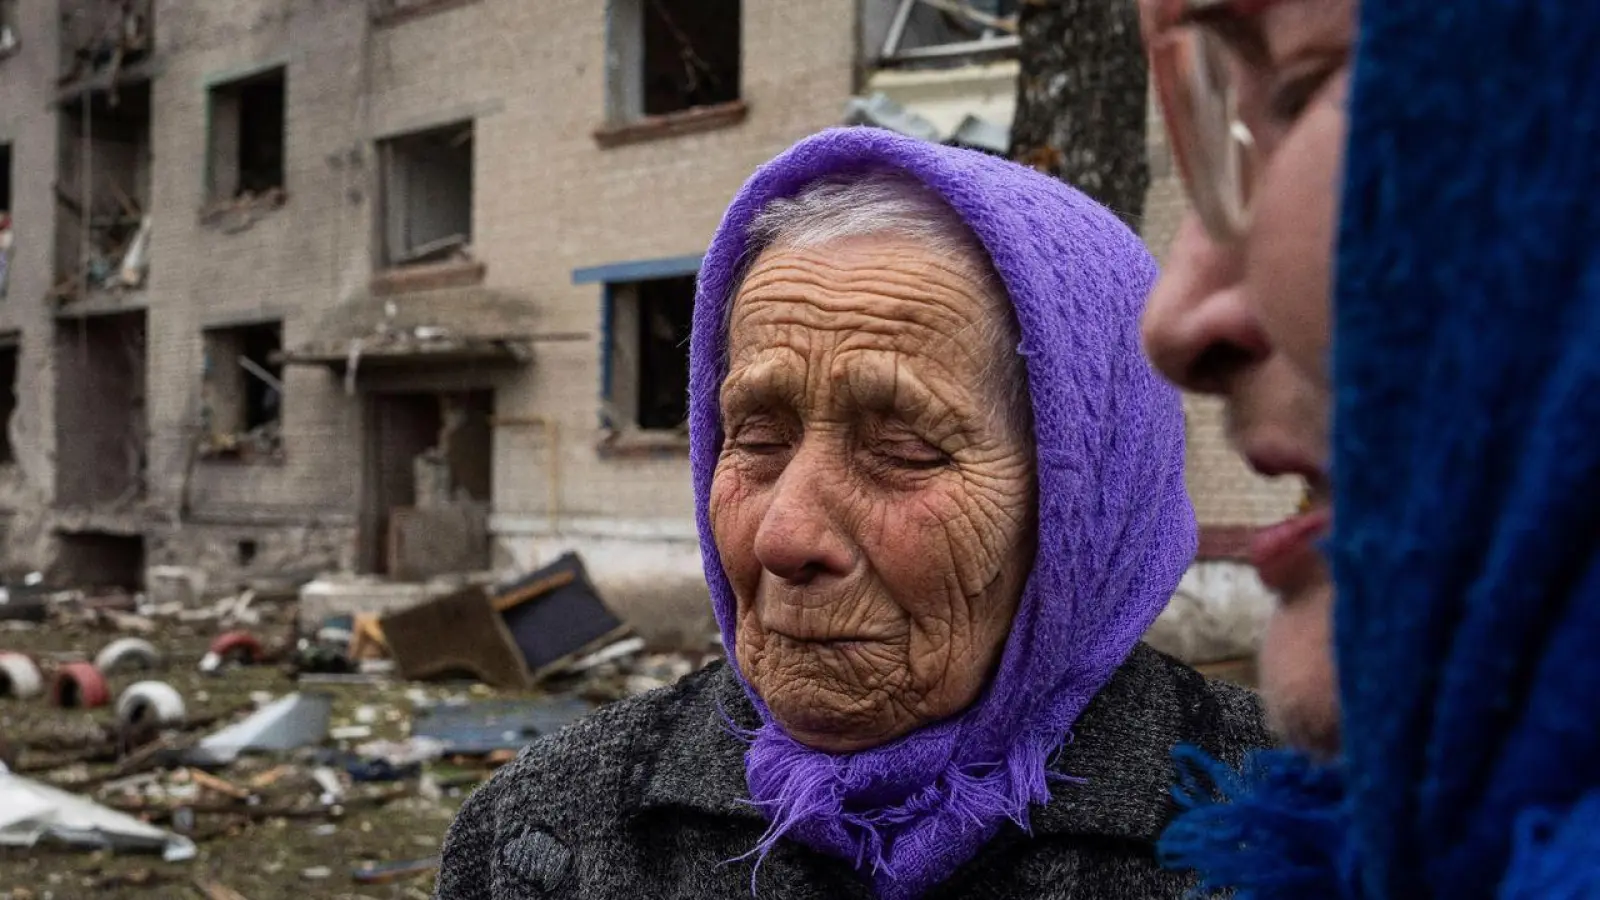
x=31 y=812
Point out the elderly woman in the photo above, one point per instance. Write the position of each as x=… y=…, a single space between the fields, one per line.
x=941 y=496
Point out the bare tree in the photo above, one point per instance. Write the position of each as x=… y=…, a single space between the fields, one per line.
x=1081 y=100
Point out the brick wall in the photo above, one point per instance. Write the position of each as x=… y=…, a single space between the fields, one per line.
x=548 y=200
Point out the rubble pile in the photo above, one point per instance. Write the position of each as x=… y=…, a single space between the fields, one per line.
x=148 y=742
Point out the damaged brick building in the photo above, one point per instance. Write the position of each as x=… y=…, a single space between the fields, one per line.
x=403 y=286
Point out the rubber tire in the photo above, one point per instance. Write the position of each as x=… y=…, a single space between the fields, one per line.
x=240 y=646
x=144 y=702
x=127 y=654
x=79 y=685
x=19 y=676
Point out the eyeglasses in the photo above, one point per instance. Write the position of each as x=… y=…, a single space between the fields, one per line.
x=1197 y=81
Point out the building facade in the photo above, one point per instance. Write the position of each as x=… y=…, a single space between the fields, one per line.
x=402 y=286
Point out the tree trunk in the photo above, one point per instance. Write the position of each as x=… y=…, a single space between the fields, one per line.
x=1081 y=99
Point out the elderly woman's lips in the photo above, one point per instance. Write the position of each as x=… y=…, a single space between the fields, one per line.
x=1285 y=554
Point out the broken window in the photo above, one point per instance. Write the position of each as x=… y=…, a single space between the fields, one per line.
x=671 y=55
x=649 y=349
x=247 y=137
x=103 y=231
x=427 y=195
x=104 y=36
x=243 y=392
x=919 y=31
x=9 y=351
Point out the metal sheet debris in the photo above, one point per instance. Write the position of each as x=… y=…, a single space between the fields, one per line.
x=31 y=812
x=297 y=720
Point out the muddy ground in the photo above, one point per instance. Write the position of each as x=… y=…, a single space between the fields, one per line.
x=311 y=853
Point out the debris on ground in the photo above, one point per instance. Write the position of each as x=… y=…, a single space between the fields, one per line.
x=288 y=754
x=295 y=721
x=31 y=812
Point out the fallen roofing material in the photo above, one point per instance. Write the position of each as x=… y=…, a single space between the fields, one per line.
x=31 y=812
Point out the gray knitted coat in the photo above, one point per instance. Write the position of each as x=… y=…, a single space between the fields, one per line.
x=646 y=798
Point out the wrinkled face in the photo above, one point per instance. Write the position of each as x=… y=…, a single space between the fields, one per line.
x=872 y=505
x=1249 y=321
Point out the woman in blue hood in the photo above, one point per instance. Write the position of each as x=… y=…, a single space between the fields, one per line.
x=1458 y=500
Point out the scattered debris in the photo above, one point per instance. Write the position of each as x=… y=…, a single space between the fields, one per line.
x=389 y=873
x=127 y=655
x=412 y=751
x=296 y=720
x=19 y=604
x=31 y=812
x=19 y=676
x=457 y=634
x=79 y=684
x=478 y=729
x=555 y=615
x=216 y=890
x=151 y=702
x=620 y=650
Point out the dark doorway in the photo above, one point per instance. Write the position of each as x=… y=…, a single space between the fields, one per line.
x=96 y=561
x=400 y=428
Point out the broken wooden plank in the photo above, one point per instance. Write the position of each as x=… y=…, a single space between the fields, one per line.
x=216 y=890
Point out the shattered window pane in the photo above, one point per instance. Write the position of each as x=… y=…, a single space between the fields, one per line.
x=243 y=391
x=931 y=31
x=649 y=347
x=691 y=54
x=667 y=56
x=427 y=201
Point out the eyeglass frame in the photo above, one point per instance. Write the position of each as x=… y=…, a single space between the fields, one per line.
x=1225 y=219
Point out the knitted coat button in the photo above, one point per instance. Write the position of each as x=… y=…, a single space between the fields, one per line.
x=537 y=860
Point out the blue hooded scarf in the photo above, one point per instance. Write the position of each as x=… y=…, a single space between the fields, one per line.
x=1466 y=543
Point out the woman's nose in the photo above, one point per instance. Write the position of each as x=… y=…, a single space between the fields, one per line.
x=1197 y=328
x=799 y=539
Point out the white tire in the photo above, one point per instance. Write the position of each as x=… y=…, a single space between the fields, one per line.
x=19 y=676
x=151 y=701
x=127 y=655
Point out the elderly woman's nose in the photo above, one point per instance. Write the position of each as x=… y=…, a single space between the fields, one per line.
x=799 y=538
x=1197 y=329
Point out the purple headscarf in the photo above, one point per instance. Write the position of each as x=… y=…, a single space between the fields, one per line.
x=1115 y=526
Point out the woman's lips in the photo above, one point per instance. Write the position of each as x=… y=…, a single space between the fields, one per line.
x=1285 y=555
